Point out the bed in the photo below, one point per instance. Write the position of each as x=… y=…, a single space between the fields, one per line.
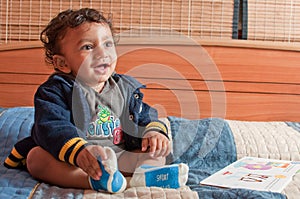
x=222 y=100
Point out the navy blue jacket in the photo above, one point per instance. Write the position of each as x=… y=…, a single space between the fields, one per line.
x=61 y=123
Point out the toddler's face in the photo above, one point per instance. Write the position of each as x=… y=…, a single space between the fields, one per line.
x=89 y=52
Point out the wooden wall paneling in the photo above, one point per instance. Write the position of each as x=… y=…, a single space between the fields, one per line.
x=247 y=83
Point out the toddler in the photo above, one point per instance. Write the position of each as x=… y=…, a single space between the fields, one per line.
x=91 y=126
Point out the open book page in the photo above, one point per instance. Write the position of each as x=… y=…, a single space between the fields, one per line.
x=255 y=173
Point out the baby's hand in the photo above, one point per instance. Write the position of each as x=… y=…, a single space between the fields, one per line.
x=87 y=160
x=158 y=143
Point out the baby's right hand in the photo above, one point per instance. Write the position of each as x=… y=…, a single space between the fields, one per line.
x=87 y=160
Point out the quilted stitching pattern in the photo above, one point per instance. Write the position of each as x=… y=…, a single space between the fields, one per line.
x=145 y=192
x=275 y=140
x=15 y=123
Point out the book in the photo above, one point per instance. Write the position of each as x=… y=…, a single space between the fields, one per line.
x=255 y=173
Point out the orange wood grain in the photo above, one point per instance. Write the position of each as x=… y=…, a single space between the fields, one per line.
x=185 y=81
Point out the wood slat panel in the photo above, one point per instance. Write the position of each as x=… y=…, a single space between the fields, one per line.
x=234 y=106
x=186 y=104
x=22 y=78
x=17 y=95
x=259 y=65
x=250 y=84
x=214 y=63
x=176 y=84
x=24 y=61
x=262 y=107
x=263 y=65
x=192 y=104
x=242 y=87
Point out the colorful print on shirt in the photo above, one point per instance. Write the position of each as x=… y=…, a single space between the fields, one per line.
x=105 y=126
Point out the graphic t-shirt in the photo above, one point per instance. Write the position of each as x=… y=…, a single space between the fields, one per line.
x=105 y=129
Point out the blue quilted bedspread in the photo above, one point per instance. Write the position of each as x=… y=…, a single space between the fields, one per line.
x=205 y=145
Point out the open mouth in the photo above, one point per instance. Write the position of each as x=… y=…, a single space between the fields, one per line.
x=102 y=68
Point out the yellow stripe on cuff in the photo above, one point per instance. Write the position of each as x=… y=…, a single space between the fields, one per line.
x=65 y=148
x=76 y=148
x=11 y=163
x=156 y=125
x=16 y=153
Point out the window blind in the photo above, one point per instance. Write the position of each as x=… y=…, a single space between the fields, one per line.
x=23 y=20
x=277 y=20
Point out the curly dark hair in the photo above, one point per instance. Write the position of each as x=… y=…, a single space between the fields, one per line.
x=57 y=27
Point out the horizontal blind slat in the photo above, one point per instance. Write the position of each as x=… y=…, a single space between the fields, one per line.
x=26 y=18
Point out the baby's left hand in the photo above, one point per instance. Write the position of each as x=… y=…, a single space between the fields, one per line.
x=158 y=143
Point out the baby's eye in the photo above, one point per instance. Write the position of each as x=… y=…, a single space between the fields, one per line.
x=109 y=44
x=87 y=47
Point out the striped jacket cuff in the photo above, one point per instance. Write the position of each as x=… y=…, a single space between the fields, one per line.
x=70 y=150
x=157 y=126
x=14 y=160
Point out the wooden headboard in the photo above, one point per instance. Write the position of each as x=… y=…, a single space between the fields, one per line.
x=238 y=80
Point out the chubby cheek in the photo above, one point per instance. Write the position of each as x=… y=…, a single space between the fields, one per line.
x=114 y=63
x=81 y=67
x=112 y=52
x=114 y=56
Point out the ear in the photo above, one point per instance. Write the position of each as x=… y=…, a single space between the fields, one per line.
x=60 y=64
